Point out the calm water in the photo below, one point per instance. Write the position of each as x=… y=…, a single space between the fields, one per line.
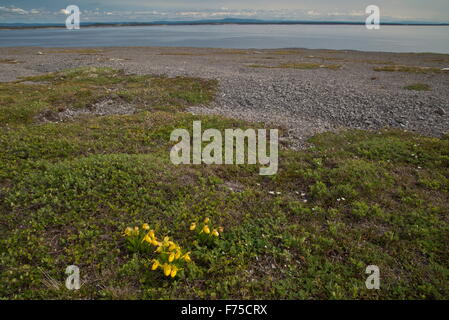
x=388 y=38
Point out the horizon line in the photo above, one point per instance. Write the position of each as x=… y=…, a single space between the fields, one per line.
x=21 y=25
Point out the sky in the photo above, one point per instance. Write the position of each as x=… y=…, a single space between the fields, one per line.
x=46 y=11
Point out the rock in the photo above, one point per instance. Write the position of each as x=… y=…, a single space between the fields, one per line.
x=440 y=111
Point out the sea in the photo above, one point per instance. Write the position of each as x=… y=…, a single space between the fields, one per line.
x=389 y=38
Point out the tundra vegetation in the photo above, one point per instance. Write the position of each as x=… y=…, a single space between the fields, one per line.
x=70 y=189
x=410 y=69
x=418 y=87
x=9 y=61
x=299 y=65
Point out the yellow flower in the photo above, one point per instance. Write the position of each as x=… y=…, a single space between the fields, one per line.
x=159 y=249
x=215 y=233
x=177 y=254
x=206 y=220
x=171 y=257
x=155 y=243
x=172 y=246
x=151 y=234
x=145 y=226
x=147 y=239
x=193 y=226
x=206 y=229
x=174 y=270
x=167 y=269
x=128 y=231
x=166 y=242
x=136 y=230
x=186 y=257
x=155 y=265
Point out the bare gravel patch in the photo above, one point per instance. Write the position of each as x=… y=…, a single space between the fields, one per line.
x=102 y=108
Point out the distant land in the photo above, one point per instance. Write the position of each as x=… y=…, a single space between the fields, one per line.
x=210 y=22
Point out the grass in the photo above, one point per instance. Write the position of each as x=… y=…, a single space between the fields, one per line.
x=70 y=189
x=418 y=87
x=410 y=69
x=181 y=54
x=339 y=59
x=215 y=51
x=439 y=60
x=302 y=66
x=284 y=52
x=230 y=51
x=77 y=51
x=369 y=61
x=9 y=61
x=81 y=88
x=327 y=58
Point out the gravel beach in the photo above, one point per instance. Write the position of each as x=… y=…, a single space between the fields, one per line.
x=253 y=86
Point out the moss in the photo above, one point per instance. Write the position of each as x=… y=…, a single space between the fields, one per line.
x=410 y=69
x=418 y=87
x=285 y=52
x=9 y=61
x=303 y=66
x=77 y=51
x=82 y=87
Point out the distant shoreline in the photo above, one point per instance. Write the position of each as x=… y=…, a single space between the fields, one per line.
x=13 y=26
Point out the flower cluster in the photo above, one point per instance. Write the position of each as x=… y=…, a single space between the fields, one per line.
x=205 y=231
x=169 y=256
x=135 y=237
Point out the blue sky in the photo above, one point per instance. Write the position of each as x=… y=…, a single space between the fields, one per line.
x=32 y=11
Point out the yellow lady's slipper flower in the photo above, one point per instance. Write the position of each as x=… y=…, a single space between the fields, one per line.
x=178 y=254
x=147 y=239
x=206 y=220
x=167 y=269
x=171 y=257
x=145 y=226
x=128 y=231
x=206 y=229
x=155 y=265
x=172 y=246
x=166 y=242
x=215 y=233
x=151 y=234
x=193 y=226
x=174 y=270
x=186 y=257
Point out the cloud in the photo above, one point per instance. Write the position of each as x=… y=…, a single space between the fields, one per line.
x=313 y=13
x=212 y=14
x=352 y=13
x=155 y=10
x=13 y=10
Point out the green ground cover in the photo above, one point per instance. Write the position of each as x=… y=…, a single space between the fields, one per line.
x=68 y=191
